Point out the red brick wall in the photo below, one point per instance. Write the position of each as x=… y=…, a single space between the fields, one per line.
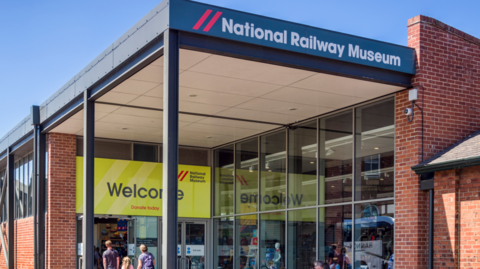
x=61 y=218
x=457 y=218
x=448 y=62
x=23 y=244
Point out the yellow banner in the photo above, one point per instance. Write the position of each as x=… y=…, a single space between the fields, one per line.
x=135 y=188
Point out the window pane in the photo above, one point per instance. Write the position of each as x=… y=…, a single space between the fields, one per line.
x=336 y=145
x=302 y=162
x=30 y=179
x=224 y=181
x=247 y=176
x=302 y=238
x=223 y=243
x=145 y=153
x=374 y=234
x=25 y=186
x=272 y=239
x=273 y=167
x=247 y=241
x=17 y=190
x=147 y=234
x=375 y=145
x=335 y=235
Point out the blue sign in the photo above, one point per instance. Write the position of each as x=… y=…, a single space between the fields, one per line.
x=229 y=24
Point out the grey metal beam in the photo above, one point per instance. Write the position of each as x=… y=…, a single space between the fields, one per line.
x=11 y=209
x=40 y=195
x=170 y=148
x=88 y=180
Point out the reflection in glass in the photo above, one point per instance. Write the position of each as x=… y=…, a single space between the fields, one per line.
x=30 y=190
x=302 y=238
x=272 y=239
x=223 y=243
x=247 y=176
x=335 y=184
x=273 y=167
x=375 y=145
x=247 y=241
x=224 y=181
x=374 y=234
x=147 y=234
x=335 y=235
x=302 y=162
x=195 y=244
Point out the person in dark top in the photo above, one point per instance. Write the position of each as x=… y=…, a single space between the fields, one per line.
x=332 y=254
x=111 y=260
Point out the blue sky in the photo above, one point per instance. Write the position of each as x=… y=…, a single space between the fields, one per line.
x=45 y=43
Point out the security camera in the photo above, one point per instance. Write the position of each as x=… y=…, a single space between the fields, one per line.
x=408 y=112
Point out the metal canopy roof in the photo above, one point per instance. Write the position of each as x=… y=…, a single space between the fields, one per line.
x=213 y=29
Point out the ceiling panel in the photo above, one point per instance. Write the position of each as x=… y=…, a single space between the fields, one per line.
x=118 y=98
x=225 y=84
x=132 y=86
x=250 y=70
x=151 y=73
x=282 y=107
x=211 y=97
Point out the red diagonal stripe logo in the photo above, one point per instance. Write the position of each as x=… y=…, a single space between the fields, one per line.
x=241 y=182
x=244 y=180
x=179 y=175
x=184 y=176
x=202 y=19
x=212 y=21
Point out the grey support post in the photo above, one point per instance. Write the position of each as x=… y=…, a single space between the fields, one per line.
x=40 y=200
x=11 y=209
x=88 y=180
x=170 y=149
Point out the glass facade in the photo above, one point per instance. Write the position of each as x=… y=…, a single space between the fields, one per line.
x=320 y=190
x=23 y=189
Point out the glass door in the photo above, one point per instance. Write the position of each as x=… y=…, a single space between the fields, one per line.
x=130 y=239
x=191 y=244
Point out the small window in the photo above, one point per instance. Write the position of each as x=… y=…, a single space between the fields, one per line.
x=145 y=153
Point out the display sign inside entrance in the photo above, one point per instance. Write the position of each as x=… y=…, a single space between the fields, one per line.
x=135 y=188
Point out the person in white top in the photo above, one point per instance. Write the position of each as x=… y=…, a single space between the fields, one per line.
x=127 y=263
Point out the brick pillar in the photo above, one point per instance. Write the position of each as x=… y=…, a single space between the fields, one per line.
x=61 y=218
x=411 y=204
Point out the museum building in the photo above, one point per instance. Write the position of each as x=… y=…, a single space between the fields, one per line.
x=276 y=144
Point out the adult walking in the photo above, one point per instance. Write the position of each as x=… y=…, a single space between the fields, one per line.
x=111 y=260
x=146 y=259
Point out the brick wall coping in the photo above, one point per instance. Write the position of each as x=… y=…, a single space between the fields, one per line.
x=445 y=27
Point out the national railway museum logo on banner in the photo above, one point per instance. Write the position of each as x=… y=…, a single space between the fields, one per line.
x=196 y=177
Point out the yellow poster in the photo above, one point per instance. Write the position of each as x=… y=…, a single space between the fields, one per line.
x=136 y=188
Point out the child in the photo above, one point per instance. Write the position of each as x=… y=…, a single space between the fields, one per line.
x=127 y=263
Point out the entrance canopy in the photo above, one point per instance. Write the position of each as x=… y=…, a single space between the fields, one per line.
x=222 y=99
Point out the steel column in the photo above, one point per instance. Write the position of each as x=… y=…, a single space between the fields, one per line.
x=430 y=228
x=34 y=191
x=40 y=200
x=88 y=180
x=11 y=209
x=170 y=148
